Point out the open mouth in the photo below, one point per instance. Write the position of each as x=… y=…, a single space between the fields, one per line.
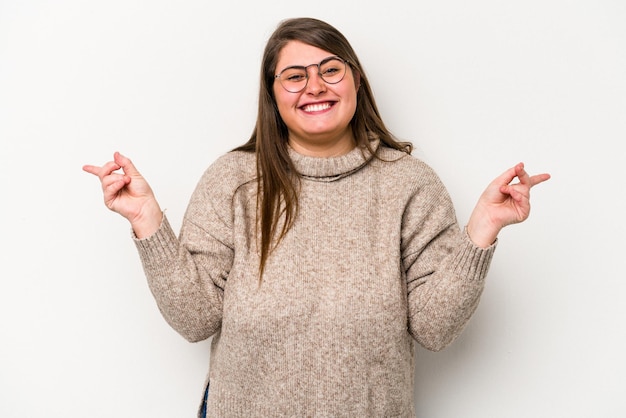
x=317 y=107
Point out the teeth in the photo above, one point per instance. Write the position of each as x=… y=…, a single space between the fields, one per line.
x=316 y=107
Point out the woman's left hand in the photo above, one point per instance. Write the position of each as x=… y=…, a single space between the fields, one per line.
x=501 y=204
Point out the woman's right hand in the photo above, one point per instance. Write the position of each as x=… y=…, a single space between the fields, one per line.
x=128 y=194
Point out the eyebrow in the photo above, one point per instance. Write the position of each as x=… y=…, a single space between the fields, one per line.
x=305 y=66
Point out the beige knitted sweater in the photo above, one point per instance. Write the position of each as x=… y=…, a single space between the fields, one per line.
x=375 y=261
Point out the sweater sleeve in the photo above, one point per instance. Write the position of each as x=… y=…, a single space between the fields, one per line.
x=445 y=271
x=187 y=274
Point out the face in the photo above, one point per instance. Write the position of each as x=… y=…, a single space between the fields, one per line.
x=318 y=117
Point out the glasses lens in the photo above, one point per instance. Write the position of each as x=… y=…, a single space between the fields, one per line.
x=332 y=70
x=293 y=79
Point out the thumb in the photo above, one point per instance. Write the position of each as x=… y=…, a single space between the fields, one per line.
x=126 y=164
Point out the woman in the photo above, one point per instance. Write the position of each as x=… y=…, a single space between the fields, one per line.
x=317 y=253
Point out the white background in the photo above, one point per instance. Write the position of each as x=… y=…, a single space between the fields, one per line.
x=477 y=86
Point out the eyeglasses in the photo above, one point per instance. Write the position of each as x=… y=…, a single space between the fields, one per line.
x=295 y=78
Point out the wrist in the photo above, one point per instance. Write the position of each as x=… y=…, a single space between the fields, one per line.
x=482 y=233
x=147 y=222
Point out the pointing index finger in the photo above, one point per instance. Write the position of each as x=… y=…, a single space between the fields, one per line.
x=102 y=171
x=539 y=178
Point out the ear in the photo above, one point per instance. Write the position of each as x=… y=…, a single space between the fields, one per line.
x=357 y=80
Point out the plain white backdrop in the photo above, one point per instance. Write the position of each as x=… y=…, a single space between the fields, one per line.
x=477 y=86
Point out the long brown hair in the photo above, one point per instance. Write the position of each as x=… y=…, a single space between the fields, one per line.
x=278 y=180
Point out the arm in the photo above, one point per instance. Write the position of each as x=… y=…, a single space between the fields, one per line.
x=445 y=271
x=186 y=275
x=445 y=268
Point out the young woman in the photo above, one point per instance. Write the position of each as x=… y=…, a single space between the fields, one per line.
x=317 y=253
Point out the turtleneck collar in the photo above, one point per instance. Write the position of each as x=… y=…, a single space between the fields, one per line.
x=331 y=168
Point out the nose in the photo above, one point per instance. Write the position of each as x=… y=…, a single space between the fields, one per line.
x=315 y=84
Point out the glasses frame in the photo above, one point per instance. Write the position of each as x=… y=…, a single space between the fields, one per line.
x=345 y=62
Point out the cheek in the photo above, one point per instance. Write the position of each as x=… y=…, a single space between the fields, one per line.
x=352 y=94
x=351 y=90
x=284 y=100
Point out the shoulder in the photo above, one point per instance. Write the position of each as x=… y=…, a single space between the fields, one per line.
x=229 y=174
x=418 y=188
x=229 y=178
x=239 y=163
x=231 y=170
x=405 y=168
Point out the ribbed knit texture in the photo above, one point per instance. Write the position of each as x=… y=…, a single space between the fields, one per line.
x=374 y=261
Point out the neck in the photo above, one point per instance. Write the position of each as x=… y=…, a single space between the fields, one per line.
x=324 y=150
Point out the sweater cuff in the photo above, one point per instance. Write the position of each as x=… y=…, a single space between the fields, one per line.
x=163 y=243
x=473 y=259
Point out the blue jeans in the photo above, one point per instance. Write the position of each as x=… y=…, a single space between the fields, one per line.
x=206 y=397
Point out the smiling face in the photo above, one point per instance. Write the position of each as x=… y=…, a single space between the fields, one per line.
x=318 y=117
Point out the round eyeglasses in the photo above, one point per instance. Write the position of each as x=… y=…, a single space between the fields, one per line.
x=295 y=78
